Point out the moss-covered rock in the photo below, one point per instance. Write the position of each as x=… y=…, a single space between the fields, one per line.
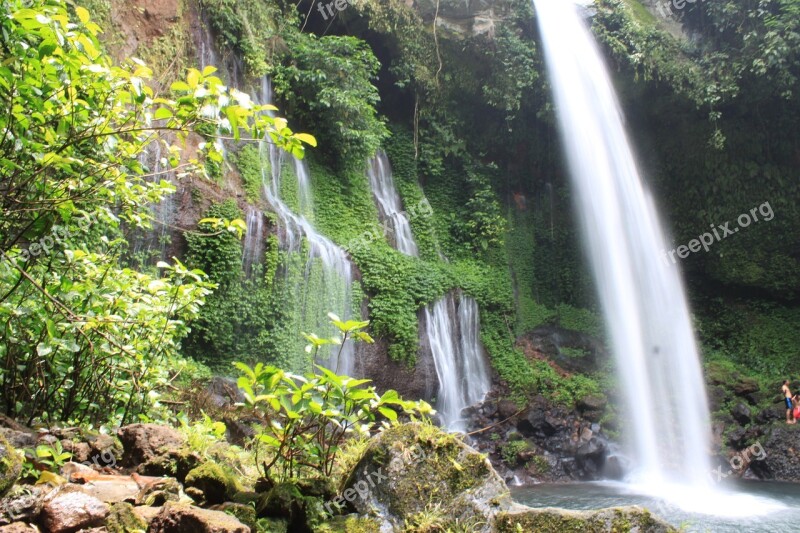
x=213 y=481
x=245 y=513
x=122 y=519
x=174 y=463
x=10 y=466
x=412 y=468
x=352 y=524
x=179 y=517
x=287 y=501
x=616 y=520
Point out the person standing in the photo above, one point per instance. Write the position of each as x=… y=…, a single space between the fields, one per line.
x=787 y=398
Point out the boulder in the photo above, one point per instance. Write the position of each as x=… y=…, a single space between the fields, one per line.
x=407 y=469
x=175 y=463
x=741 y=413
x=737 y=438
x=105 y=449
x=591 y=456
x=776 y=456
x=180 y=518
x=69 y=509
x=21 y=504
x=19 y=439
x=144 y=442
x=10 y=466
x=213 y=482
x=771 y=414
x=618 y=519
x=745 y=387
x=123 y=519
x=246 y=514
x=506 y=409
x=81 y=452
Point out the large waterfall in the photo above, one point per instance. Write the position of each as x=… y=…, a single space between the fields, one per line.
x=643 y=298
x=453 y=321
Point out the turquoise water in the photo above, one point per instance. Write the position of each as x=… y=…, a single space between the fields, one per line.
x=757 y=506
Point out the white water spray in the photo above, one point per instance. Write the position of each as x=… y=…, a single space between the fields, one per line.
x=253 y=246
x=643 y=299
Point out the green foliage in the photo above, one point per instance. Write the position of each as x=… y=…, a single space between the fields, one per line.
x=85 y=339
x=326 y=82
x=44 y=458
x=249 y=27
x=217 y=253
x=307 y=418
x=759 y=336
x=511 y=450
x=248 y=162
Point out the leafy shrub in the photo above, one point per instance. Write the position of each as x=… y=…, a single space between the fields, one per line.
x=307 y=418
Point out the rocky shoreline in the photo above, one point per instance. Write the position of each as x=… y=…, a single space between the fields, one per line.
x=408 y=478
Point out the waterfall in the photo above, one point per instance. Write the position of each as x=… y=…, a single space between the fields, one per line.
x=151 y=245
x=453 y=329
x=253 y=246
x=643 y=299
x=389 y=206
x=453 y=321
x=327 y=277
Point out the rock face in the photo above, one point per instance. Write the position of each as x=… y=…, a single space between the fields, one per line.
x=465 y=17
x=71 y=510
x=619 y=519
x=778 y=455
x=418 y=381
x=180 y=518
x=544 y=441
x=410 y=468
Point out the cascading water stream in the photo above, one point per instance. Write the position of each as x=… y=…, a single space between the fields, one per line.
x=643 y=299
x=389 y=207
x=253 y=246
x=326 y=263
x=453 y=321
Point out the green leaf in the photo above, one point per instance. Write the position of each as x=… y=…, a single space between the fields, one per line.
x=306 y=138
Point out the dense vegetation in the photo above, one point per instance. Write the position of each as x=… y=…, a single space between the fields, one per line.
x=467 y=122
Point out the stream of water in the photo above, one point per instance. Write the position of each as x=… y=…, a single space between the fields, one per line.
x=452 y=322
x=643 y=299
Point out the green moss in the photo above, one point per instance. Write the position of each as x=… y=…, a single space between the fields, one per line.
x=213 y=481
x=248 y=163
x=616 y=520
x=446 y=471
x=10 y=466
x=351 y=524
x=122 y=519
x=246 y=514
